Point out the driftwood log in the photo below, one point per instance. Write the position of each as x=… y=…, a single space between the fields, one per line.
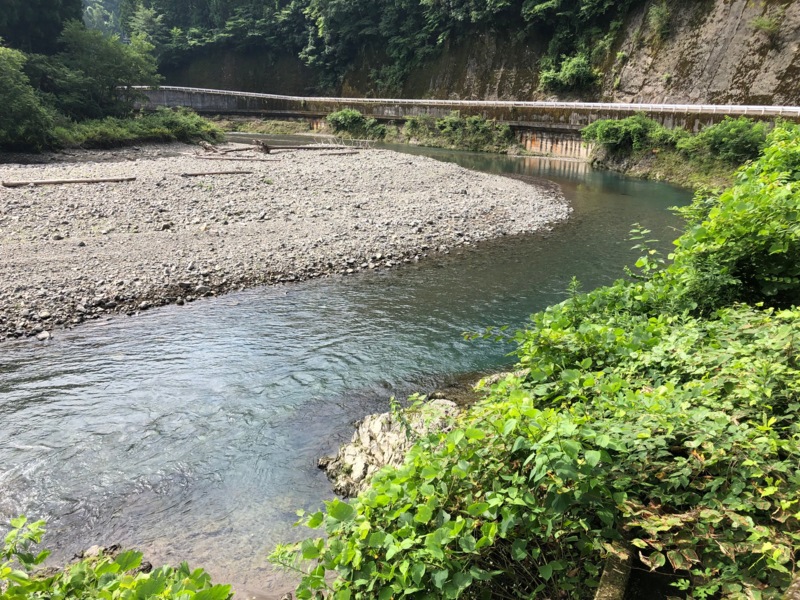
x=216 y=173
x=245 y=149
x=15 y=184
x=238 y=159
x=265 y=147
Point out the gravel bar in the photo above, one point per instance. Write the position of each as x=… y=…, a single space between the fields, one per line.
x=76 y=252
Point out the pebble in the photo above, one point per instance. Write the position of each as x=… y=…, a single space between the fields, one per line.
x=320 y=216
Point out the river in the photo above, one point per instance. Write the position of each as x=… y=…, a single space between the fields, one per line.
x=193 y=432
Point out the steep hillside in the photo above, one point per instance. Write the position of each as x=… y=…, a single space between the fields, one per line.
x=699 y=51
x=715 y=51
x=722 y=51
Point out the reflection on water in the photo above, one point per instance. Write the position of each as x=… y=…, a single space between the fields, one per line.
x=193 y=432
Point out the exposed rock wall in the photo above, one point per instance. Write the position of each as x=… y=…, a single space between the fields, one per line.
x=715 y=53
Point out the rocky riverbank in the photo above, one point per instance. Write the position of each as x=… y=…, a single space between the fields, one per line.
x=72 y=253
x=384 y=439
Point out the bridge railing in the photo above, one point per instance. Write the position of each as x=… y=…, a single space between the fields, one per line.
x=722 y=109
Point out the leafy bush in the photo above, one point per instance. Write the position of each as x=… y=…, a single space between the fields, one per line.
x=164 y=125
x=25 y=123
x=474 y=133
x=632 y=134
x=733 y=140
x=352 y=122
x=111 y=578
x=628 y=428
x=641 y=417
x=575 y=73
x=744 y=244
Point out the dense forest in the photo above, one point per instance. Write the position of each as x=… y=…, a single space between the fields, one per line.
x=396 y=35
x=63 y=84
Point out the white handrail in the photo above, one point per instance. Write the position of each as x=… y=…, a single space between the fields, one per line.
x=581 y=106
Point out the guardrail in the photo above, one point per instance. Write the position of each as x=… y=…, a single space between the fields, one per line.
x=721 y=109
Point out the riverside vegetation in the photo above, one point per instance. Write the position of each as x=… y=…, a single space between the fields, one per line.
x=644 y=148
x=474 y=133
x=660 y=412
x=77 y=92
x=124 y=576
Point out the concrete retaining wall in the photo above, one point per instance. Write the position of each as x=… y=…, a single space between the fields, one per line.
x=550 y=128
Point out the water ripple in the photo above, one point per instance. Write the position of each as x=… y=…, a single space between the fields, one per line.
x=193 y=432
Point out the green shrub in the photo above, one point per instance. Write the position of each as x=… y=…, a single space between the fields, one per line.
x=25 y=123
x=632 y=134
x=420 y=127
x=353 y=123
x=111 y=578
x=574 y=74
x=164 y=125
x=658 y=18
x=744 y=244
x=734 y=141
x=474 y=132
x=627 y=426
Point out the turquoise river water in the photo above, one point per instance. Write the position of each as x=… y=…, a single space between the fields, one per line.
x=193 y=432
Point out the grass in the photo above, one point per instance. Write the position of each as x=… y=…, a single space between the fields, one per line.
x=263 y=126
x=161 y=126
x=672 y=166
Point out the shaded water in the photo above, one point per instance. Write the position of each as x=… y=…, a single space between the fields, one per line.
x=193 y=432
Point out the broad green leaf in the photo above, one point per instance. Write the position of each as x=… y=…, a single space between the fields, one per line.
x=217 y=592
x=424 y=514
x=129 y=560
x=341 y=511
x=474 y=434
x=315 y=520
x=477 y=509
x=439 y=578
x=592 y=457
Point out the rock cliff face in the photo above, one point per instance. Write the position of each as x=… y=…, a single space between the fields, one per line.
x=715 y=51
x=719 y=51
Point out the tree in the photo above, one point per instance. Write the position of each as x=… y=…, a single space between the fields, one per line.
x=34 y=25
x=24 y=122
x=149 y=24
x=105 y=69
x=93 y=75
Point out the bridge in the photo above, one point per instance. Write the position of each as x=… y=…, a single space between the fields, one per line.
x=549 y=128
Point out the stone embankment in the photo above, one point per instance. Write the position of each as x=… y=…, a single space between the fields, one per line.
x=73 y=253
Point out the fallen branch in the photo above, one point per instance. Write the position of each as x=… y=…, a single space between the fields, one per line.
x=239 y=159
x=338 y=153
x=14 y=184
x=245 y=149
x=267 y=148
x=216 y=173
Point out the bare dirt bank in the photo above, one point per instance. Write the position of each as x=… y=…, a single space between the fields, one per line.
x=72 y=253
